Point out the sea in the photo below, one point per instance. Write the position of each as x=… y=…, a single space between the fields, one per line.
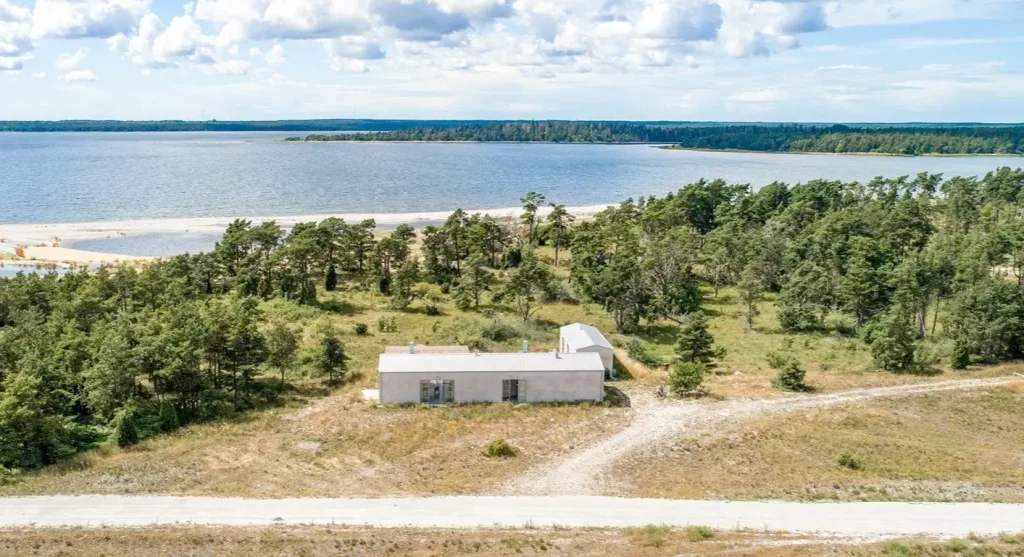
x=84 y=177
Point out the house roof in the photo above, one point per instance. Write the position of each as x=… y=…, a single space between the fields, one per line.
x=427 y=349
x=579 y=336
x=500 y=363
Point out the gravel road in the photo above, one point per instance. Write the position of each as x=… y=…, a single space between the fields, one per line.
x=836 y=519
x=586 y=472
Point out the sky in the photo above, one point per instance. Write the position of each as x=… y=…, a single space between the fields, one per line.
x=731 y=60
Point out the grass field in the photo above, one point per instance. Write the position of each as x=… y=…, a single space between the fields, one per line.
x=323 y=541
x=951 y=446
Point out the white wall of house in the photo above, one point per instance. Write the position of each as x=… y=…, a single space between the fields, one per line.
x=607 y=354
x=486 y=386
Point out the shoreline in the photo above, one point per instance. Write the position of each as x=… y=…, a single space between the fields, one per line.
x=42 y=242
x=852 y=153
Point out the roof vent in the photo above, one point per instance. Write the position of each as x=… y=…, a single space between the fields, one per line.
x=526 y=346
x=412 y=347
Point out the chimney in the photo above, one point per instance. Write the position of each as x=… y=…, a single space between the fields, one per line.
x=526 y=347
x=412 y=347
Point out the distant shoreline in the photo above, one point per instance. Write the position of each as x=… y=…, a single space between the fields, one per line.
x=828 y=153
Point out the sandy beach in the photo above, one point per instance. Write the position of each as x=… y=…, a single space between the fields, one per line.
x=42 y=242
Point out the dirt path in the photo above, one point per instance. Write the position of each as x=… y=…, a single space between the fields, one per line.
x=867 y=520
x=656 y=421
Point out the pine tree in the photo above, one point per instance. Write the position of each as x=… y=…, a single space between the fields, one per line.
x=696 y=344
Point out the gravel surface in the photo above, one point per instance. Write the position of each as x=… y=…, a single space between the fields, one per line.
x=843 y=519
x=656 y=421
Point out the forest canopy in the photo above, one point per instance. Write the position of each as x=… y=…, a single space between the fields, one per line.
x=909 y=140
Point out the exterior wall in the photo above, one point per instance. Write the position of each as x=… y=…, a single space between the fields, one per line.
x=607 y=354
x=541 y=386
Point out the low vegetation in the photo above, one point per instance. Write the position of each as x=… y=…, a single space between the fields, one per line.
x=316 y=541
x=951 y=446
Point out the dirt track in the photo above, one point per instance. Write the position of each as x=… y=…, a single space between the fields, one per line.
x=656 y=421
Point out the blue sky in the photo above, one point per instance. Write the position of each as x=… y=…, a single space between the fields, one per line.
x=744 y=60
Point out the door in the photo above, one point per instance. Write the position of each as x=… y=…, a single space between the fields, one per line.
x=437 y=391
x=513 y=390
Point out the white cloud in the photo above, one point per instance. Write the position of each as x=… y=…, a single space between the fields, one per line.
x=274 y=56
x=85 y=18
x=38 y=75
x=10 y=64
x=80 y=76
x=67 y=62
x=231 y=67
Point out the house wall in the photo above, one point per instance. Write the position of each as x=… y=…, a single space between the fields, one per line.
x=607 y=354
x=485 y=386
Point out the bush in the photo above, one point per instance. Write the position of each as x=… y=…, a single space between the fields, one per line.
x=638 y=353
x=699 y=533
x=847 y=460
x=387 y=324
x=655 y=535
x=499 y=331
x=686 y=378
x=798 y=317
x=961 y=356
x=361 y=329
x=776 y=360
x=499 y=448
x=9 y=476
x=791 y=378
x=126 y=430
x=168 y=417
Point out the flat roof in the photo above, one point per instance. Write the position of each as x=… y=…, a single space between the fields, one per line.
x=582 y=336
x=490 y=362
x=427 y=349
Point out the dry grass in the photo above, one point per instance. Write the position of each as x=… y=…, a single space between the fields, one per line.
x=955 y=446
x=338 y=446
x=323 y=541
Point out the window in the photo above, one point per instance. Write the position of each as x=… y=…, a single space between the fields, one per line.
x=513 y=390
x=424 y=392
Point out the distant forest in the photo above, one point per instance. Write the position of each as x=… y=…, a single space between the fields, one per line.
x=333 y=125
x=908 y=140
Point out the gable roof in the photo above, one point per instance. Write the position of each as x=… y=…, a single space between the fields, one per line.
x=501 y=363
x=580 y=336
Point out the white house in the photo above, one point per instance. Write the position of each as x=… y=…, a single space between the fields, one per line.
x=578 y=337
x=443 y=378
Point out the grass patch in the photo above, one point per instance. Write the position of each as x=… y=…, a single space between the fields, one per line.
x=948 y=446
x=699 y=533
x=323 y=541
x=499 y=448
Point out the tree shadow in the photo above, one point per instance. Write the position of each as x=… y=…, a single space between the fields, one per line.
x=659 y=333
x=614 y=397
x=338 y=307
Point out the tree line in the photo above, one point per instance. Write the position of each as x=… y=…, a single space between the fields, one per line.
x=910 y=140
x=886 y=260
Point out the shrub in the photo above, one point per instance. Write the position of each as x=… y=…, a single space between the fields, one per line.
x=638 y=353
x=432 y=309
x=361 y=329
x=776 y=360
x=896 y=549
x=387 y=324
x=961 y=356
x=686 y=378
x=847 y=460
x=499 y=448
x=168 y=417
x=126 y=430
x=9 y=476
x=699 y=533
x=696 y=344
x=798 y=317
x=791 y=378
x=499 y=331
x=655 y=535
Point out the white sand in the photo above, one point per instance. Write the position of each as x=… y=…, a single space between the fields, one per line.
x=47 y=234
x=49 y=253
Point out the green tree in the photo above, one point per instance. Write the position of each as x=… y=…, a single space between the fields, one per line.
x=559 y=232
x=282 y=347
x=330 y=357
x=750 y=289
x=696 y=344
x=527 y=284
x=532 y=201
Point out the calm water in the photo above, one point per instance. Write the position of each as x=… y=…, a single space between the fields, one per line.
x=84 y=177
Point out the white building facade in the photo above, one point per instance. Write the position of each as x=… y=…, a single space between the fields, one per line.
x=453 y=378
x=580 y=338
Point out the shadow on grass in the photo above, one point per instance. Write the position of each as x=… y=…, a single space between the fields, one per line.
x=615 y=398
x=338 y=307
